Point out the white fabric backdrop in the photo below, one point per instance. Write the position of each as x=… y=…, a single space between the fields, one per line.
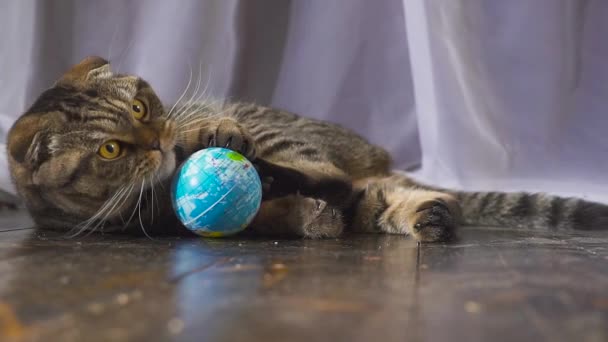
x=340 y=60
x=512 y=95
x=505 y=95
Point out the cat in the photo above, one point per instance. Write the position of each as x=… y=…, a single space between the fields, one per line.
x=96 y=152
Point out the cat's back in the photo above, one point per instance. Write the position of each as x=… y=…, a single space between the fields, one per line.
x=277 y=130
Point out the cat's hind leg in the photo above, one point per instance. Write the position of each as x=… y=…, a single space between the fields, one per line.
x=304 y=199
x=395 y=205
x=298 y=216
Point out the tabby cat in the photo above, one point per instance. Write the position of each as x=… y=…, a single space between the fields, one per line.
x=96 y=152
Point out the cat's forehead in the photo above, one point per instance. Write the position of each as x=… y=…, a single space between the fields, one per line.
x=124 y=87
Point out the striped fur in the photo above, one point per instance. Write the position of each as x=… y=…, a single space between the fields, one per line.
x=534 y=211
x=319 y=177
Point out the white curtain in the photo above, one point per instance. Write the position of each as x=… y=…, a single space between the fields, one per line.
x=482 y=94
x=341 y=60
x=512 y=95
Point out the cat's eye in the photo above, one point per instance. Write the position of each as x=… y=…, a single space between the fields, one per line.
x=138 y=109
x=110 y=149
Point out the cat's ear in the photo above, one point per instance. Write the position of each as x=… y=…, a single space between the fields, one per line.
x=26 y=140
x=30 y=146
x=90 y=68
x=58 y=170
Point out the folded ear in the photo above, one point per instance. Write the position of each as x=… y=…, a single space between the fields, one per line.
x=27 y=140
x=30 y=147
x=90 y=68
x=58 y=170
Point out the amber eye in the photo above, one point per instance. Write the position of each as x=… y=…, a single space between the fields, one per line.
x=110 y=149
x=138 y=109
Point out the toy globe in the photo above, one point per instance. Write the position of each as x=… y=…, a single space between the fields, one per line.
x=216 y=192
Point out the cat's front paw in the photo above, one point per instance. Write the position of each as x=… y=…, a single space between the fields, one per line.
x=228 y=133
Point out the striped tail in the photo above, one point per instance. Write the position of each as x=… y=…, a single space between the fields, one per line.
x=531 y=210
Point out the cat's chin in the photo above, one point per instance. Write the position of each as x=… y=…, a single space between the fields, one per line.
x=167 y=166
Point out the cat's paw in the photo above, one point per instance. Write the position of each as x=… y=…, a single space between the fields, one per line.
x=319 y=219
x=425 y=215
x=228 y=133
x=433 y=221
x=300 y=216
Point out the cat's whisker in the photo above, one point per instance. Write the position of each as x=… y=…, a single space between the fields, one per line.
x=102 y=212
x=116 y=29
x=188 y=114
x=118 y=202
x=162 y=188
x=126 y=225
x=125 y=198
x=196 y=107
x=160 y=182
x=124 y=54
x=199 y=120
x=141 y=224
x=131 y=187
x=195 y=95
x=197 y=86
x=192 y=122
x=134 y=210
x=204 y=95
x=96 y=217
x=192 y=115
x=146 y=199
x=196 y=120
x=221 y=113
x=185 y=104
x=205 y=106
x=178 y=105
x=179 y=142
x=190 y=130
x=182 y=95
x=152 y=201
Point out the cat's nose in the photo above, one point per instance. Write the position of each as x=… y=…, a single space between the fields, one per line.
x=154 y=144
x=148 y=139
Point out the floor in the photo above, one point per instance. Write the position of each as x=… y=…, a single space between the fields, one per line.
x=498 y=285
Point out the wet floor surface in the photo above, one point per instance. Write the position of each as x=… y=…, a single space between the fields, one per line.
x=491 y=285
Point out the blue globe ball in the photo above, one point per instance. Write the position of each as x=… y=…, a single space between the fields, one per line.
x=216 y=192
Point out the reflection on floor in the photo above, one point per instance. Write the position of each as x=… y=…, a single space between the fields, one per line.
x=499 y=285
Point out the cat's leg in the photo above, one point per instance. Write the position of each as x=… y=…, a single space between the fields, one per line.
x=393 y=205
x=313 y=179
x=298 y=216
x=218 y=132
x=305 y=199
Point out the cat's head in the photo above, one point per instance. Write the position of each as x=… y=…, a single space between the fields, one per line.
x=84 y=140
